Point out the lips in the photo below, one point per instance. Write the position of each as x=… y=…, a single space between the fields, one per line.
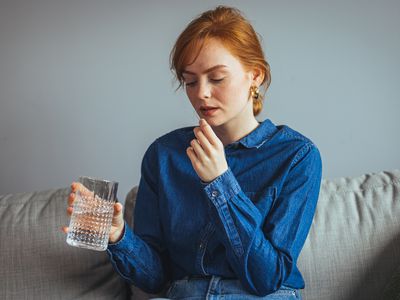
x=208 y=110
x=205 y=107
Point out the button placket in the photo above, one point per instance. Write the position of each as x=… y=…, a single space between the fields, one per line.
x=214 y=194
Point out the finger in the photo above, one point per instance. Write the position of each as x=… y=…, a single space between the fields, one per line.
x=118 y=216
x=204 y=142
x=192 y=156
x=79 y=187
x=71 y=199
x=209 y=132
x=65 y=229
x=117 y=208
x=197 y=149
x=70 y=209
x=74 y=186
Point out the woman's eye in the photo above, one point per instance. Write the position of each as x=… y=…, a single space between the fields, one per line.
x=217 y=80
x=194 y=82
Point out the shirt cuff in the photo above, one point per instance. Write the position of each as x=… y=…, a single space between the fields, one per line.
x=222 y=188
x=125 y=243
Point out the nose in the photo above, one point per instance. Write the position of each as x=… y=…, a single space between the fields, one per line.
x=203 y=90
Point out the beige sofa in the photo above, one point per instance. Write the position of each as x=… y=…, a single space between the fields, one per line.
x=352 y=251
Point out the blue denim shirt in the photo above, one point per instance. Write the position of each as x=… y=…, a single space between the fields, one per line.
x=249 y=223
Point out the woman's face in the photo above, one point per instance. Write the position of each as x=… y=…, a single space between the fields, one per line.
x=218 y=86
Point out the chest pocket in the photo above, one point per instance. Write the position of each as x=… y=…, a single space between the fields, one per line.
x=263 y=199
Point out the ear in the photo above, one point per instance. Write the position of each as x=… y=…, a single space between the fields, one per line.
x=257 y=76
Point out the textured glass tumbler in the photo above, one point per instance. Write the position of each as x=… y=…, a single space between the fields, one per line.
x=91 y=218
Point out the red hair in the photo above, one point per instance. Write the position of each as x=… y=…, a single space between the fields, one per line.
x=227 y=25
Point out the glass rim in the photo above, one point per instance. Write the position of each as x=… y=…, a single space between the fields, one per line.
x=97 y=179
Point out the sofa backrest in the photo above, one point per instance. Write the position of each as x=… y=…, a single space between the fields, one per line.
x=37 y=263
x=353 y=247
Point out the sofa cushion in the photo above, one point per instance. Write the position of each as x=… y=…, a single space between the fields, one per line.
x=353 y=246
x=37 y=263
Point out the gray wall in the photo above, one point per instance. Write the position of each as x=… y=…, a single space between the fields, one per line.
x=85 y=86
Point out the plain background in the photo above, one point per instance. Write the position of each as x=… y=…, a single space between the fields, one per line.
x=85 y=86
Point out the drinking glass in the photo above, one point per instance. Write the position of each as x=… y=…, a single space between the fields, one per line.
x=91 y=218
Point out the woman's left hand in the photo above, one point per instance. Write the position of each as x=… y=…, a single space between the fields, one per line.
x=207 y=153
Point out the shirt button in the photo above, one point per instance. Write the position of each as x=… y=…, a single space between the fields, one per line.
x=214 y=193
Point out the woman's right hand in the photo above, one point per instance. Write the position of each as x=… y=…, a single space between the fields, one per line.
x=117 y=224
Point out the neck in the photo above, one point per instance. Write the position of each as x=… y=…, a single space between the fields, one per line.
x=234 y=130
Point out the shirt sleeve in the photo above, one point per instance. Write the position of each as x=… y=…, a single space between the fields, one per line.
x=263 y=250
x=140 y=256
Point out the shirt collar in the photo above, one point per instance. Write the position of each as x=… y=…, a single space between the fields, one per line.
x=257 y=137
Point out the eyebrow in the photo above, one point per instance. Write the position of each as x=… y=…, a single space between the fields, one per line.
x=206 y=71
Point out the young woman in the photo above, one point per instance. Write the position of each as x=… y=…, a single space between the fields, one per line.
x=223 y=208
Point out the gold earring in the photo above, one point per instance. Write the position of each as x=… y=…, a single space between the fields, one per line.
x=255 y=92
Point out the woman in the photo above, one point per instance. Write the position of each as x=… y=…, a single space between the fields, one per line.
x=225 y=207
